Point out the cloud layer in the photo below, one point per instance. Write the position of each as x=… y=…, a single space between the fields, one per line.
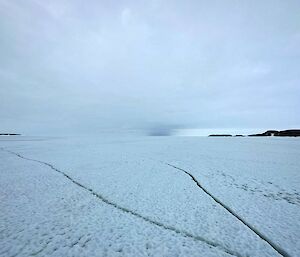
x=99 y=65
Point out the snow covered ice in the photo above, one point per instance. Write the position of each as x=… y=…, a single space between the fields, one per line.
x=121 y=196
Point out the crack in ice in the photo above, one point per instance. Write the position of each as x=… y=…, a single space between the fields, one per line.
x=131 y=212
x=277 y=248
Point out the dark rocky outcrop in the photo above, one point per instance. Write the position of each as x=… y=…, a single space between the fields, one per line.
x=239 y=135
x=289 y=133
x=276 y=133
x=9 y=134
x=266 y=134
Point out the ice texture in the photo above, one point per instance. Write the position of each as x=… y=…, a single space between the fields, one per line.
x=132 y=196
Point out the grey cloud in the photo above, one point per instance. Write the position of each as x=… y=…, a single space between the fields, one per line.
x=89 y=66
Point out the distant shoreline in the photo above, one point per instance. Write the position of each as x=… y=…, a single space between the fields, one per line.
x=9 y=134
x=268 y=133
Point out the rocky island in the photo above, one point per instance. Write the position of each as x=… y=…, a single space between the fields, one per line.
x=276 y=133
x=9 y=134
x=268 y=133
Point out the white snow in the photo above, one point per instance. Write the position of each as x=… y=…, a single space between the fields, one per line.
x=117 y=196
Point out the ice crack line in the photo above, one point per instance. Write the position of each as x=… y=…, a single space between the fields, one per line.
x=277 y=248
x=131 y=212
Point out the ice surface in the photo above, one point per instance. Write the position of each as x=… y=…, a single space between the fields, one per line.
x=116 y=196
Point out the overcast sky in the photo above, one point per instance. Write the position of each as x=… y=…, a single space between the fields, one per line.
x=88 y=66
